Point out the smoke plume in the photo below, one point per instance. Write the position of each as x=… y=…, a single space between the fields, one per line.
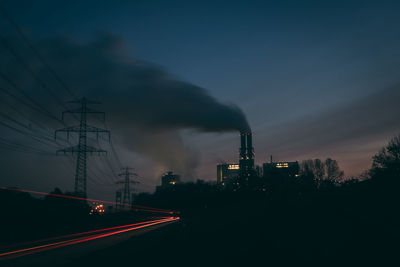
x=146 y=106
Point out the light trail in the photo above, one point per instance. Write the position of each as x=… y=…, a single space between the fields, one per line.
x=45 y=247
x=135 y=207
x=77 y=234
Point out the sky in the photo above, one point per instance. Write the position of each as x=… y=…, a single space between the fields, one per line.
x=315 y=79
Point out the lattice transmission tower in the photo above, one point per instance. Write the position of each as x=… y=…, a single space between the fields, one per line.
x=126 y=196
x=82 y=149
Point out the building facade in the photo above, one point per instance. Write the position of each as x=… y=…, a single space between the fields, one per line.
x=283 y=168
x=170 y=179
x=226 y=172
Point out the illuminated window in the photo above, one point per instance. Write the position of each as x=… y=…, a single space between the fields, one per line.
x=233 y=167
x=282 y=165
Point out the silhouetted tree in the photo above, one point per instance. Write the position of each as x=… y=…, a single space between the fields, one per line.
x=307 y=181
x=365 y=175
x=386 y=163
x=307 y=167
x=333 y=172
x=319 y=169
x=321 y=173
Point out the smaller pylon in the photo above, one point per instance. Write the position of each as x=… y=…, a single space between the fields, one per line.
x=126 y=197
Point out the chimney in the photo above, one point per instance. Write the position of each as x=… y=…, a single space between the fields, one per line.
x=242 y=155
x=250 y=149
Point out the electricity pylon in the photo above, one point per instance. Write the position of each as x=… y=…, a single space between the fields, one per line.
x=126 y=199
x=82 y=149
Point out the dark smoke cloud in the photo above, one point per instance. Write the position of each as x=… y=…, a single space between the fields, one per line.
x=142 y=93
x=146 y=106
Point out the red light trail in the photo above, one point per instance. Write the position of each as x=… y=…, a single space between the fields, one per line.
x=135 y=207
x=113 y=231
x=78 y=234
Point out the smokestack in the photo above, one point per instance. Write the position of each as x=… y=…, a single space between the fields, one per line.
x=242 y=155
x=250 y=149
x=246 y=161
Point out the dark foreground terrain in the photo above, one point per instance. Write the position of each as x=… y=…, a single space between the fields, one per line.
x=348 y=226
x=341 y=229
x=352 y=225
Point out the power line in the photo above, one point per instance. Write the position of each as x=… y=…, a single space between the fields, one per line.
x=36 y=52
x=101 y=174
x=22 y=148
x=39 y=108
x=24 y=133
x=31 y=72
x=82 y=149
x=115 y=154
x=36 y=106
x=40 y=126
x=109 y=164
x=25 y=126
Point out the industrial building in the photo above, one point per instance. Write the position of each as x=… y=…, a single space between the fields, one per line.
x=245 y=169
x=226 y=172
x=170 y=179
x=282 y=168
x=245 y=175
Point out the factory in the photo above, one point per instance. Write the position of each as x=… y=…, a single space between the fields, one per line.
x=245 y=174
x=244 y=170
x=226 y=172
x=170 y=179
x=282 y=168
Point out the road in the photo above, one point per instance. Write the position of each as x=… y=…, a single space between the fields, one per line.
x=59 y=250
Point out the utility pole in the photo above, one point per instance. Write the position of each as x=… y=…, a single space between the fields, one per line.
x=82 y=149
x=126 y=199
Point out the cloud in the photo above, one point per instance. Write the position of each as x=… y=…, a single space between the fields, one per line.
x=351 y=133
x=146 y=106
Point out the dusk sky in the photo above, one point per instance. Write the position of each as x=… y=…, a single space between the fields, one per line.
x=315 y=79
